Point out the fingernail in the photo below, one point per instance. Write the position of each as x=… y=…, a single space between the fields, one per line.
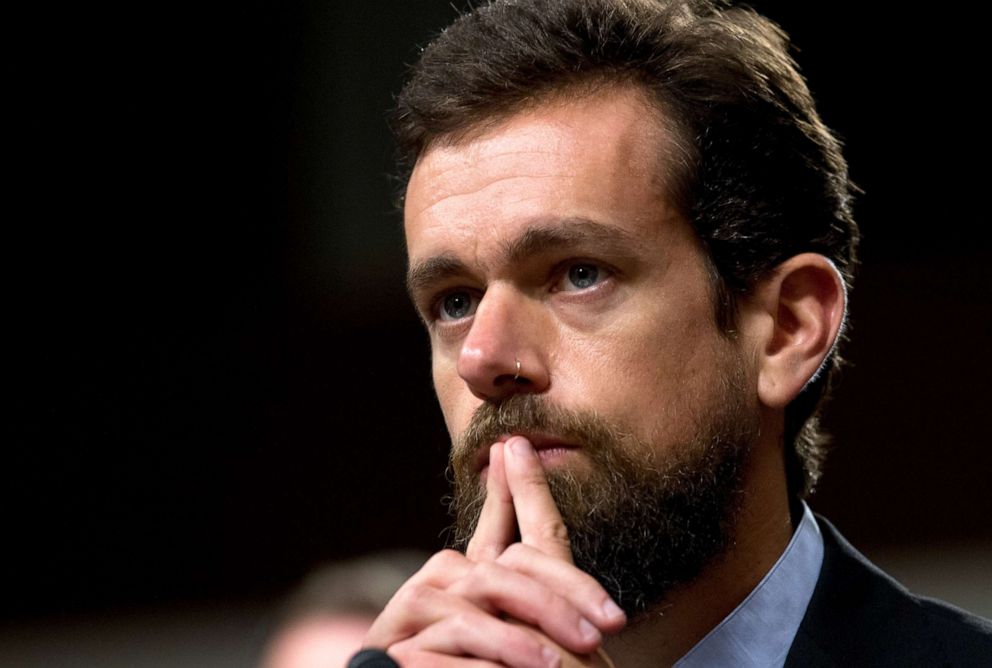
x=612 y=610
x=551 y=657
x=589 y=632
x=521 y=447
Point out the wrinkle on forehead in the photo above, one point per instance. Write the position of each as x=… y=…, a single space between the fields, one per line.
x=455 y=173
x=559 y=129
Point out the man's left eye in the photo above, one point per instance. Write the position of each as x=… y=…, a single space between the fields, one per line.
x=580 y=276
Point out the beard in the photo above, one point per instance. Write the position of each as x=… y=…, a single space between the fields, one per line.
x=642 y=521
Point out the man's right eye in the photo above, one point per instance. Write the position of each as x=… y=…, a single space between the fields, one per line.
x=457 y=305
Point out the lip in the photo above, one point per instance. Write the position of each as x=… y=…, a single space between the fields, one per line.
x=543 y=443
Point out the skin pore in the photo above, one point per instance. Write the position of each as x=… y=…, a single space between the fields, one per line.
x=546 y=260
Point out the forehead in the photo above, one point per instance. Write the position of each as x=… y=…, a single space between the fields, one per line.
x=564 y=157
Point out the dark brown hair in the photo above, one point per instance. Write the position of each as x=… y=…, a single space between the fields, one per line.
x=755 y=171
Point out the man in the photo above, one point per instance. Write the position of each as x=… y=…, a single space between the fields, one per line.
x=631 y=242
x=325 y=619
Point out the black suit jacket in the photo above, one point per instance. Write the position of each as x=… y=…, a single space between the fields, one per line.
x=859 y=616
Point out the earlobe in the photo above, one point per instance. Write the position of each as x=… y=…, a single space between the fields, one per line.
x=805 y=302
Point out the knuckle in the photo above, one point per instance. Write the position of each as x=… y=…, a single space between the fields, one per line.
x=461 y=623
x=486 y=571
x=489 y=552
x=590 y=587
x=412 y=595
x=439 y=568
x=514 y=554
x=555 y=532
x=480 y=579
x=443 y=560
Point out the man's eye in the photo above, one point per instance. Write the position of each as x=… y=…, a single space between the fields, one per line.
x=581 y=276
x=457 y=305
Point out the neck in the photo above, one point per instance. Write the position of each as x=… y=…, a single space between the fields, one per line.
x=764 y=528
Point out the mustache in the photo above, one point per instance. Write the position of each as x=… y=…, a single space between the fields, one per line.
x=533 y=413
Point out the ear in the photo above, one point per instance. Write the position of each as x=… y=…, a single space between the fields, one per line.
x=796 y=318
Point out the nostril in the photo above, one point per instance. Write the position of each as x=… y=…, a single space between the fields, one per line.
x=507 y=379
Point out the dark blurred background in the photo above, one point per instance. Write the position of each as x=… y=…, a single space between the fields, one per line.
x=214 y=380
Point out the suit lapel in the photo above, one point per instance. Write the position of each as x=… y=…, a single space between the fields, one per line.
x=850 y=616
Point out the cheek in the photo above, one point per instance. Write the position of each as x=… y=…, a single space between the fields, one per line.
x=663 y=345
x=456 y=402
x=646 y=370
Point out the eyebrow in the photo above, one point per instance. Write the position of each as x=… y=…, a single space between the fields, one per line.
x=567 y=233
x=541 y=238
x=433 y=270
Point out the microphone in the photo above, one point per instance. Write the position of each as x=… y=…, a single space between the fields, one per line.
x=372 y=658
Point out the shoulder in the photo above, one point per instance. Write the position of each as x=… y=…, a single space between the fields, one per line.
x=859 y=616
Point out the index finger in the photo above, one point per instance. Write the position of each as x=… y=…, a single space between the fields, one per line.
x=497 y=526
x=539 y=519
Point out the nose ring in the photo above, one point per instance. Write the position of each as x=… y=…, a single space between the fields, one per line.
x=517 y=376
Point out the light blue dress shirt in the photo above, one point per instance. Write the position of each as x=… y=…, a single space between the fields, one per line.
x=760 y=631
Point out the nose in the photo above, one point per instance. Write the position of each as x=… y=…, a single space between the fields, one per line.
x=505 y=351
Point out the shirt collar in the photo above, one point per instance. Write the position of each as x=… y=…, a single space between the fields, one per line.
x=760 y=631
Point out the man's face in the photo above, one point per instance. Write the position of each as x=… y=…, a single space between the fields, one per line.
x=548 y=240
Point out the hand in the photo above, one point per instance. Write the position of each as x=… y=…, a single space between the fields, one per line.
x=456 y=606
